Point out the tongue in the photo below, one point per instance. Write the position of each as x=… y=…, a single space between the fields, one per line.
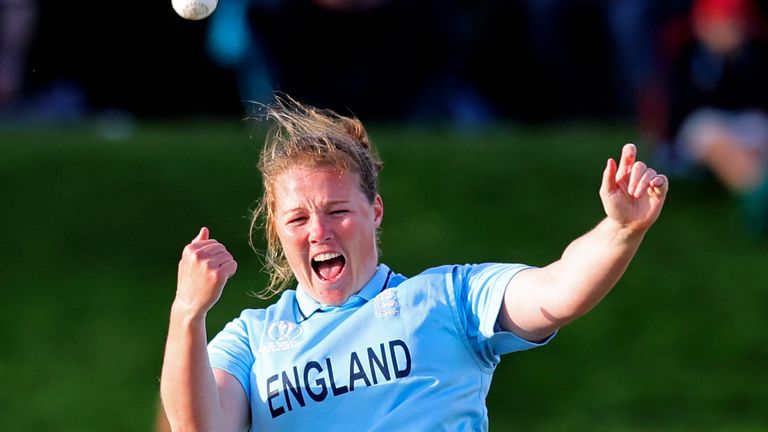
x=329 y=270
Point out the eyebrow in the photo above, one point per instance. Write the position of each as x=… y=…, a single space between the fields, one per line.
x=328 y=204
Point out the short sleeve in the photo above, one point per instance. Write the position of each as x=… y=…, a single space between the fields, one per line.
x=230 y=350
x=479 y=291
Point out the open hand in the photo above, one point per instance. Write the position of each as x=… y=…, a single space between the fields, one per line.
x=632 y=193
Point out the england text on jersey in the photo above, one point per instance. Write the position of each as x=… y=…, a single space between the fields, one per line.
x=388 y=361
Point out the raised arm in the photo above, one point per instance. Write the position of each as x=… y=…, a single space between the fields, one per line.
x=539 y=301
x=195 y=397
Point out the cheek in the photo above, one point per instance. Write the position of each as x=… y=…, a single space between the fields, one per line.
x=350 y=225
x=291 y=240
x=361 y=232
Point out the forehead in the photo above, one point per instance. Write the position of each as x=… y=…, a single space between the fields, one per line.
x=300 y=186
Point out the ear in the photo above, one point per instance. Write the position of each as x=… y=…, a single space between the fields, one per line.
x=378 y=210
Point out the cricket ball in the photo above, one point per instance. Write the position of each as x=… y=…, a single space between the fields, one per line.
x=194 y=9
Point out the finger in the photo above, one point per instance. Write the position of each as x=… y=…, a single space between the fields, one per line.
x=644 y=183
x=202 y=235
x=609 y=177
x=202 y=254
x=197 y=245
x=229 y=268
x=635 y=175
x=219 y=260
x=628 y=156
x=210 y=250
x=660 y=186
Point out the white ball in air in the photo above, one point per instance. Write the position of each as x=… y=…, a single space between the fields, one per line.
x=194 y=9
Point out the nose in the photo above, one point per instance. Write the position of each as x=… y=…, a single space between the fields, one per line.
x=319 y=230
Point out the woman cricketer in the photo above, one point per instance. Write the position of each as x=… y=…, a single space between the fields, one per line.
x=356 y=345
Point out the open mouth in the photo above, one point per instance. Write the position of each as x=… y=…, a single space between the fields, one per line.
x=328 y=266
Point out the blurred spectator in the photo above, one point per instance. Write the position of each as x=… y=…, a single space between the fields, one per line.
x=383 y=58
x=718 y=102
x=17 y=22
x=232 y=43
x=24 y=100
x=629 y=30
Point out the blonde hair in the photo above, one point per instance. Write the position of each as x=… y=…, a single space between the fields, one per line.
x=307 y=136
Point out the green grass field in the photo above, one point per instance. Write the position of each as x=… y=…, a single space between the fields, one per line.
x=93 y=230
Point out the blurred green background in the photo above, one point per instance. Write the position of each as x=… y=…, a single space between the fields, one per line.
x=93 y=229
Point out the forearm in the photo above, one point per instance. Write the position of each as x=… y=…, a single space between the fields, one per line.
x=539 y=301
x=589 y=268
x=189 y=391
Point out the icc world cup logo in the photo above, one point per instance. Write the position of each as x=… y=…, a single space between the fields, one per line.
x=283 y=331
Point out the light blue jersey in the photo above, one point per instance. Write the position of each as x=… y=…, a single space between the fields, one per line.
x=404 y=353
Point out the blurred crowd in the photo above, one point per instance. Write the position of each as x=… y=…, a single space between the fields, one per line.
x=451 y=60
x=454 y=60
x=691 y=73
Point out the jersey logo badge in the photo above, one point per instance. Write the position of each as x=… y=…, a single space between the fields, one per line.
x=282 y=335
x=386 y=305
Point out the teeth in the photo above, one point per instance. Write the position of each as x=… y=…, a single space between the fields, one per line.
x=326 y=256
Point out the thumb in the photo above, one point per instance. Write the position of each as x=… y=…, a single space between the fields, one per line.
x=609 y=177
x=202 y=235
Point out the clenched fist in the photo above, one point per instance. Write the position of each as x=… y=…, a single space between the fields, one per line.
x=204 y=269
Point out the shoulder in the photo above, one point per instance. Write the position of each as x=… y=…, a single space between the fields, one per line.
x=253 y=316
x=462 y=271
x=429 y=276
x=462 y=275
